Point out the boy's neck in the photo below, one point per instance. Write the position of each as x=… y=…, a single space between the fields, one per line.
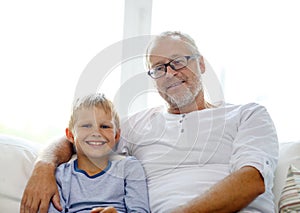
x=92 y=166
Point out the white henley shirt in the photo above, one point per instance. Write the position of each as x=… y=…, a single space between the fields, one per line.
x=185 y=154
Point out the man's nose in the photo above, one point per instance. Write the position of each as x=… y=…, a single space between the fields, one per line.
x=170 y=71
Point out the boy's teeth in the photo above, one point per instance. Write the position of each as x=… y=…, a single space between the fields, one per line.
x=96 y=143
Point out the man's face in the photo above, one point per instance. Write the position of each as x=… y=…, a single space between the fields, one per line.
x=178 y=88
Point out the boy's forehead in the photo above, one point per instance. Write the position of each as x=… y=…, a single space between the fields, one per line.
x=95 y=111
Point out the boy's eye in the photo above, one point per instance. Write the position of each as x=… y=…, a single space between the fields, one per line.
x=87 y=125
x=105 y=126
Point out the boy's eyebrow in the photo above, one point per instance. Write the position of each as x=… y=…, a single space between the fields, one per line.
x=91 y=121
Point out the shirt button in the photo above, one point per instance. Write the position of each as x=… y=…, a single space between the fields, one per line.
x=180 y=121
x=182 y=130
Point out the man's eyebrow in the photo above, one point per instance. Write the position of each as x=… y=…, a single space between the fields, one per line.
x=158 y=63
x=166 y=58
x=175 y=56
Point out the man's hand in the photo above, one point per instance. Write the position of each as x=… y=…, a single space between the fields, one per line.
x=40 y=189
x=109 y=209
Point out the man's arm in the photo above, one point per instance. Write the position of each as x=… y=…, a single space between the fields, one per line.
x=229 y=195
x=41 y=186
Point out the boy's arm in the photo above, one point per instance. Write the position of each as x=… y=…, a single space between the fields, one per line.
x=41 y=186
x=136 y=190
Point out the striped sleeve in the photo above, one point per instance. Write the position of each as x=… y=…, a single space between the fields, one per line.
x=290 y=196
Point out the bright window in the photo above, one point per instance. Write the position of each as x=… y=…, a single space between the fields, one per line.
x=45 y=46
x=252 y=47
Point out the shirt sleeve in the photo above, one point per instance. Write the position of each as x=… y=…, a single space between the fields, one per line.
x=256 y=143
x=136 y=192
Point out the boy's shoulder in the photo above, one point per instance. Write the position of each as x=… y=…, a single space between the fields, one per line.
x=122 y=159
x=65 y=170
x=117 y=157
x=67 y=165
x=128 y=167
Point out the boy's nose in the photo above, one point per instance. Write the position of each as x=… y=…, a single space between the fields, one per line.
x=96 y=132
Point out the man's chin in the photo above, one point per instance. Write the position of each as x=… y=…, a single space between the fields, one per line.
x=178 y=100
x=178 y=103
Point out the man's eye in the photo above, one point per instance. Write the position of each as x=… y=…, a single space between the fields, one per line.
x=178 y=62
x=159 y=68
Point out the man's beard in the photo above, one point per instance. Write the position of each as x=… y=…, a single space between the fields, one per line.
x=184 y=98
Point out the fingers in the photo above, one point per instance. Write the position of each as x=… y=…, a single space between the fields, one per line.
x=109 y=209
x=40 y=188
x=44 y=205
x=56 y=201
x=41 y=203
x=97 y=210
x=44 y=201
x=28 y=204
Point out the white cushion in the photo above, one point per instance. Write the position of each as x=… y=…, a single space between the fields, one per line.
x=16 y=163
x=289 y=154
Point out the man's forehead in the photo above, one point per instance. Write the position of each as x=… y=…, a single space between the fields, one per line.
x=169 y=48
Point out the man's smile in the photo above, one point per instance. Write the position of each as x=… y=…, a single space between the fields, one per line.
x=175 y=84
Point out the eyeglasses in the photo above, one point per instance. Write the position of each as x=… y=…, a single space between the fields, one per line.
x=176 y=64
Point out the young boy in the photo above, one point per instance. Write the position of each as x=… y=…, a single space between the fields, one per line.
x=94 y=179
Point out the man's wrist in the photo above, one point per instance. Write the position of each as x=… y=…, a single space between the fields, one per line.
x=42 y=164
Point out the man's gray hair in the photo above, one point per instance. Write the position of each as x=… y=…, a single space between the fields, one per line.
x=173 y=34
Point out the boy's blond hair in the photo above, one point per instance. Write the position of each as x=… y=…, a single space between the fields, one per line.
x=94 y=100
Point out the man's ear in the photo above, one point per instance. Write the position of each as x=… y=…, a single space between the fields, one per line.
x=202 y=64
x=69 y=135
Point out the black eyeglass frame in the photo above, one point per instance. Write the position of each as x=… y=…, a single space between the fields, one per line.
x=187 y=57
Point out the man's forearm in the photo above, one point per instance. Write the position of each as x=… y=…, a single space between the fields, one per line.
x=57 y=152
x=41 y=186
x=230 y=195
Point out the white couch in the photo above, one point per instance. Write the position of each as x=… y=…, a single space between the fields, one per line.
x=18 y=156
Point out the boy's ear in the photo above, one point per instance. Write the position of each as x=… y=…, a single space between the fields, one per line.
x=69 y=135
x=118 y=135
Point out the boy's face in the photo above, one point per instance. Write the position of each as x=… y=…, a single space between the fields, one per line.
x=94 y=134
